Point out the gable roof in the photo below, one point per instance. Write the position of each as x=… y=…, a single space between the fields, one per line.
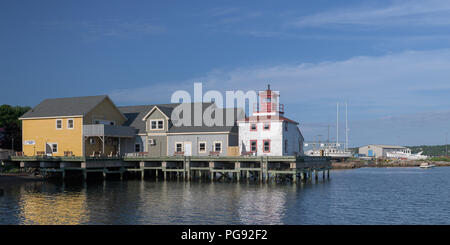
x=61 y=107
x=238 y=113
x=136 y=114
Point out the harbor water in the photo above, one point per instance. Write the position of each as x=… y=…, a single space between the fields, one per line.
x=356 y=196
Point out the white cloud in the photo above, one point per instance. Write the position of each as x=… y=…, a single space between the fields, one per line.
x=378 y=89
x=404 y=13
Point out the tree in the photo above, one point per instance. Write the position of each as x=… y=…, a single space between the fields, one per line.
x=9 y=120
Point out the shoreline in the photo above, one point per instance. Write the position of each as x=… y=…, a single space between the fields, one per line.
x=381 y=164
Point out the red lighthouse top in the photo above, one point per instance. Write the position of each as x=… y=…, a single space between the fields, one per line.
x=269 y=103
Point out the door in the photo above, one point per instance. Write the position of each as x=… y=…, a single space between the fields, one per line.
x=48 y=149
x=188 y=149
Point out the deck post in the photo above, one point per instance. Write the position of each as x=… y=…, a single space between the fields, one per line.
x=237 y=166
x=294 y=177
x=164 y=165
x=104 y=173
x=63 y=173
x=142 y=165
x=323 y=174
x=187 y=167
x=316 y=174
x=328 y=173
x=84 y=174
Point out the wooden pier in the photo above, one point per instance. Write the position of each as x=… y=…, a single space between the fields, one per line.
x=254 y=168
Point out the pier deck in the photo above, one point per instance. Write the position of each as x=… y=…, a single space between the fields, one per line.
x=260 y=168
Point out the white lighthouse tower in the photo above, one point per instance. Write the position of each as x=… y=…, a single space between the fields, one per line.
x=268 y=132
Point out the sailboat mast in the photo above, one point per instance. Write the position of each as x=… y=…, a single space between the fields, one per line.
x=346 y=127
x=337 y=124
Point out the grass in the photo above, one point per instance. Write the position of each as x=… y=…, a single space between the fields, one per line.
x=440 y=159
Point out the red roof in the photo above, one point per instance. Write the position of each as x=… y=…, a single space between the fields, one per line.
x=267 y=118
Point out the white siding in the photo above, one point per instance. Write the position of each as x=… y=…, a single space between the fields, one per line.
x=276 y=135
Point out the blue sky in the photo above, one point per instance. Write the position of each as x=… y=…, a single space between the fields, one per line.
x=390 y=60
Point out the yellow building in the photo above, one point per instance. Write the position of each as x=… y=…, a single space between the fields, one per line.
x=77 y=126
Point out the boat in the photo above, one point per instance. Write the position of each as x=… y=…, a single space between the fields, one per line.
x=332 y=150
x=406 y=154
x=426 y=165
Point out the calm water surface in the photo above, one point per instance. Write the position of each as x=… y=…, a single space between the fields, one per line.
x=360 y=196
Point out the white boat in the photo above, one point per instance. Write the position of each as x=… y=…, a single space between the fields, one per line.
x=328 y=149
x=406 y=154
x=426 y=165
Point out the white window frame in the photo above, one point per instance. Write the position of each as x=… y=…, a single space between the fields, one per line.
x=56 y=124
x=73 y=123
x=51 y=146
x=200 y=151
x=157 y=124
x=221 y=146
x=182 y=147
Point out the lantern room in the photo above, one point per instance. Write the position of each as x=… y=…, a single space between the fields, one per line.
x=268 y=103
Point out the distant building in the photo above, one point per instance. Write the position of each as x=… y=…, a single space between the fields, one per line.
x=268 y=132
x=378 y=151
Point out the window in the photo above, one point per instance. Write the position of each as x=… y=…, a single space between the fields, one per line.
x=202 y=147
x=253 y=145
x=58 y=124
x=178 y=147
x=218 y=146
x=137 y=147
x=253 y=127
x=266 y=126
x=54 y=147
x=92 y=141
x=266 y=145
x=104 y=122
x=156 y=124
x=70 y=123
x=285 y=146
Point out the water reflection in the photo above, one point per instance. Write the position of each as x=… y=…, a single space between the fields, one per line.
x=363 y=196
x=41 y=206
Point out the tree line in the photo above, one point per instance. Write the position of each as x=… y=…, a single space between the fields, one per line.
x=11 y=126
